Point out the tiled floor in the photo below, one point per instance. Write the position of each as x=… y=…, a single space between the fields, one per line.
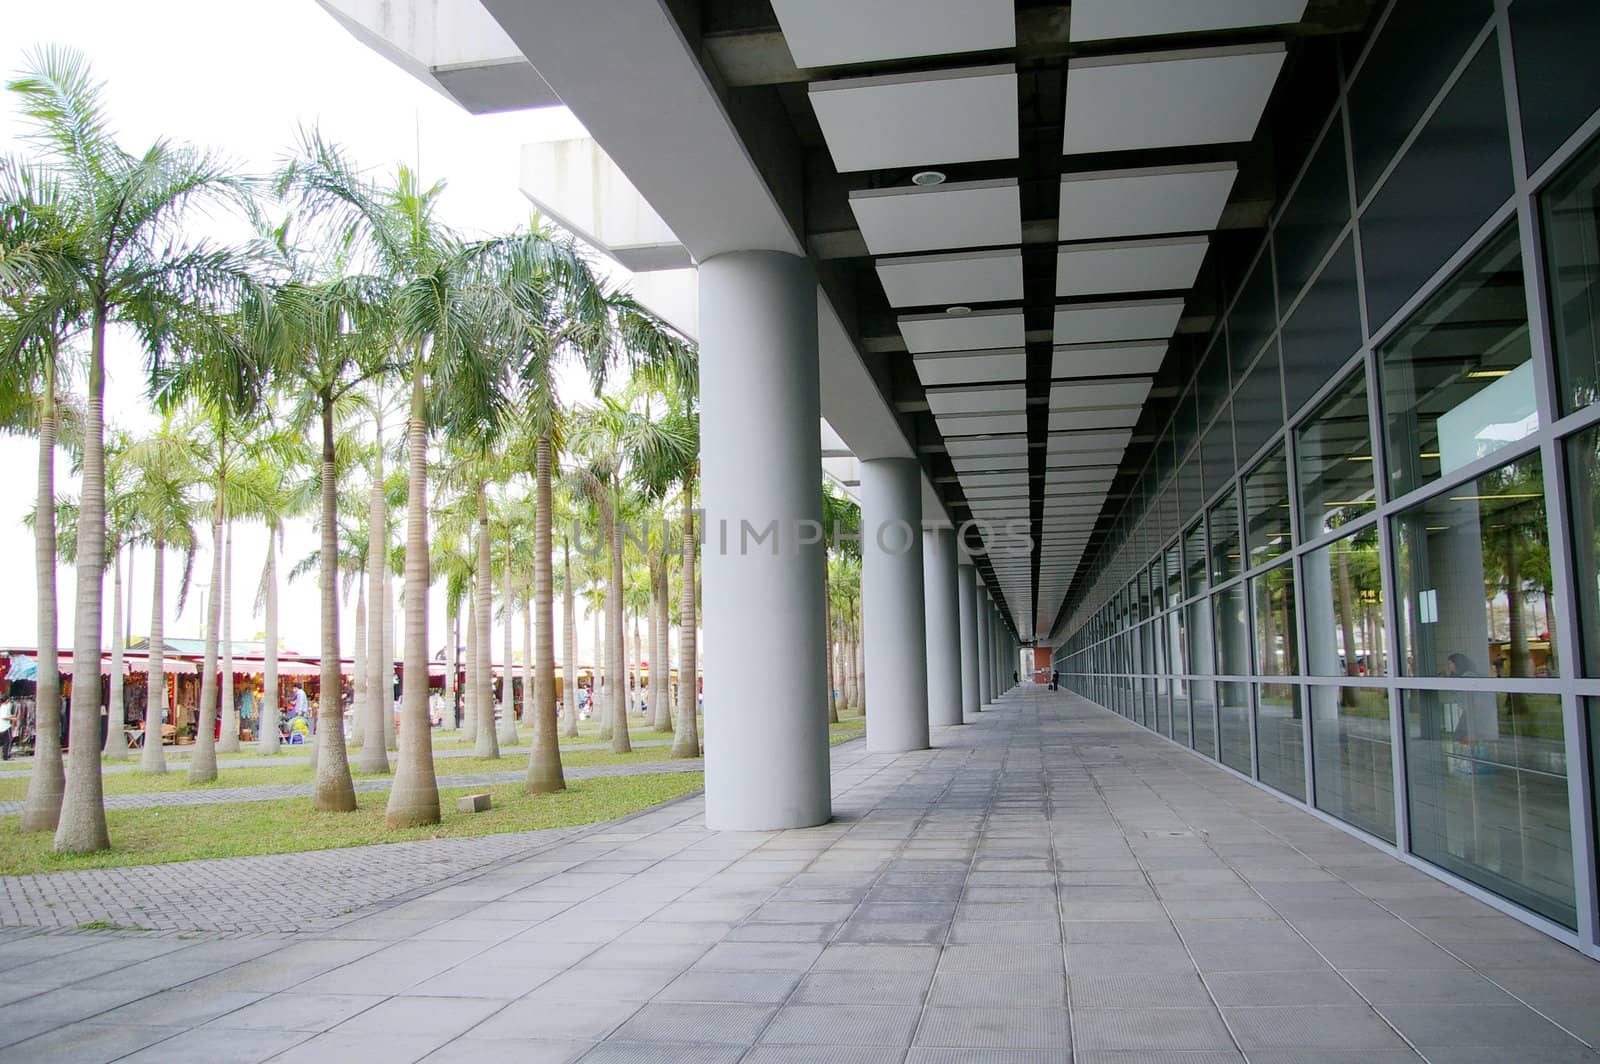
x=1049 y=883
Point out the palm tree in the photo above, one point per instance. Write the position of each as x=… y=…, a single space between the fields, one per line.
x=139 y=270
x=42 y=306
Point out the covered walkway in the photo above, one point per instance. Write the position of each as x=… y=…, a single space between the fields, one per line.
x=1048 y=883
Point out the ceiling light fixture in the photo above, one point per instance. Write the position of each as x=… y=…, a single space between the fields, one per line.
x=960 y=310
x=928 y=177
x=1487 y=374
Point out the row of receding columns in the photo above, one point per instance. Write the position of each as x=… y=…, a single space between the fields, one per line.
x=936 y=646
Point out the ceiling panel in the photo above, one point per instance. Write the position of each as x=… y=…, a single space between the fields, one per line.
x=984 y=399
x=1150 y=265
x=1104 y=20
x=951 y=425
x=1110 y=417
x=1168 y=99
x=1005 y=462
x=966 y=214
x=998 y=491
x=825 y=33
x=1066 y=442
x=961 y=277
x=1128 y=319
x=959 y=115
x=981 y=329
x=1162 y=199
x=1114 y=359
x=961 y=447
x=959 y=367
x=1073 y=395
x=994 y=479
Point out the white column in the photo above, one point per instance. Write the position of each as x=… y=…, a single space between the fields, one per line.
x=967 y=585
x=766 y=756
x=892 y=601
x=985 y=655
x=943 y=613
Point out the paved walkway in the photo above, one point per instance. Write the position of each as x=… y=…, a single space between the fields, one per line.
x=1050 y=883
x=267 y=792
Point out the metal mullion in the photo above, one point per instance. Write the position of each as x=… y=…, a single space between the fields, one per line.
x=1380 y=333
x=1457 y=478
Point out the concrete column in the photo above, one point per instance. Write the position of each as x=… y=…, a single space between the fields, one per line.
x=985 y=657
x=766 y=757
x=943 y=604
x=967 y=584
x=893 y=604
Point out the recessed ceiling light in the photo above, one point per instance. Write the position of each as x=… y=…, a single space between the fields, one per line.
x=928 y=177
x=959 y=310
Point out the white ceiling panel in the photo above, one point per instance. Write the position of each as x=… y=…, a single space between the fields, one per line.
x=992 y=479
x=1128 y=319
x=962 y=367
x=1068 y=442
x=825 y=33
x=1152 y=265
x=1075 y=395
x=1167 y=99
x=1103 y=418
x=985 y=399
x=1007 y=462
x=962 y=277
x=1105 y=20
x=978 y=330
x=962 y=447
x=1108 y=359
x=958 y=425
x=999 y=491
x=959 y=115
x=967 y=214
x=1123 y=203
x=1074 y=478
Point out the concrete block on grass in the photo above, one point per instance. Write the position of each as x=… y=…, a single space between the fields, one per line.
x=473 y=803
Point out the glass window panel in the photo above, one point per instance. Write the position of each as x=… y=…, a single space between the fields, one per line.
x=1178 y=656
x=1194 y=556
x=1457 y=379
x=1570 y=209
x=1203 y=693
x=1253 y=317
x=1211 y=381
x=1333 y=460
x=1258 y=405
x=1450 y=180
x=1233 y=725
x=1216 y=451
x=1324 y=330
x=1583 y=467
x=1232 y=631
x=1473 y=578
x=1174 y=576
x=1191 y=493
x=1197 y=627
x=1351 y=750
x=1313 y=217
x=1224 y=520
x=1280 y=738
x=1343 y=595
x=1157 y=589
x=1486 y=787
x=1556 y=86
x=1163 y=721
x=1275 y=638
x=1266 y=509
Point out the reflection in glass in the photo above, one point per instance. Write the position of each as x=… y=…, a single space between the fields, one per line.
x=1570 y=209
x=1583 y=467
x=1177 y=656
x=1276 y=641
x=1473 y=568
x=1232 y=631
x=1157 y=589
x=1486 y=780
x=1351 y=751
x=1233 y=725
x=1266 y=509
x=1194 y=556
x=1204 y=695
x=1457 y=379
x=1333 y=459
x=1174 y=576
x=1224 y=520
x=1343 y=597
x=1280 y=738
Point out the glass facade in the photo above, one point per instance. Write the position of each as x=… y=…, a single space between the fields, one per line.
x=1389 y=604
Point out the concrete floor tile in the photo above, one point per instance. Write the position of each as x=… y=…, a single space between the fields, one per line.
x=681 y=1021
x=994 y=1028
x=844 y=1025
x=1150 y=1029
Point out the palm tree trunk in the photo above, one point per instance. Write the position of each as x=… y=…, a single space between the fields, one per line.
x=544 y=764
x=455 y=662
x=661 y=653
x=686 y=740
x=616 y=641
x=229 y=741
x=833 y=704
x=569 y=638
x=116 y=710
x=153 y=757
x=414 y=798
x=508 y=688
x=203 y=762
x=602 y=679
x=82 y=827
x=525 y=701
x=267 y=714
x=333 y=791
x=379 y=704
x=41 y=810
x=488 y=744
x=469 y=726
x=358 y=699
x=652 y=703
x=1347 y=626
x=858 y=651
x=389 y=658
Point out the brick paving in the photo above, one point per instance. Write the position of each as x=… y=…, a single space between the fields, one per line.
x=1050 y=883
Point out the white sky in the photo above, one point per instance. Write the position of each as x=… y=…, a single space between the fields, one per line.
x=241 y=77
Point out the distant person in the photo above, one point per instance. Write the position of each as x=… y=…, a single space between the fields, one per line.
x=8 y=717
x=1460 y=666
x=300 y=707
x=1055 y=678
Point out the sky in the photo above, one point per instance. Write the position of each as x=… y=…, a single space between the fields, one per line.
x=241 y=78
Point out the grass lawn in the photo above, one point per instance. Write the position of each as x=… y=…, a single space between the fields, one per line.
x=239 y=829
x=300 y=771
x=847 y=728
